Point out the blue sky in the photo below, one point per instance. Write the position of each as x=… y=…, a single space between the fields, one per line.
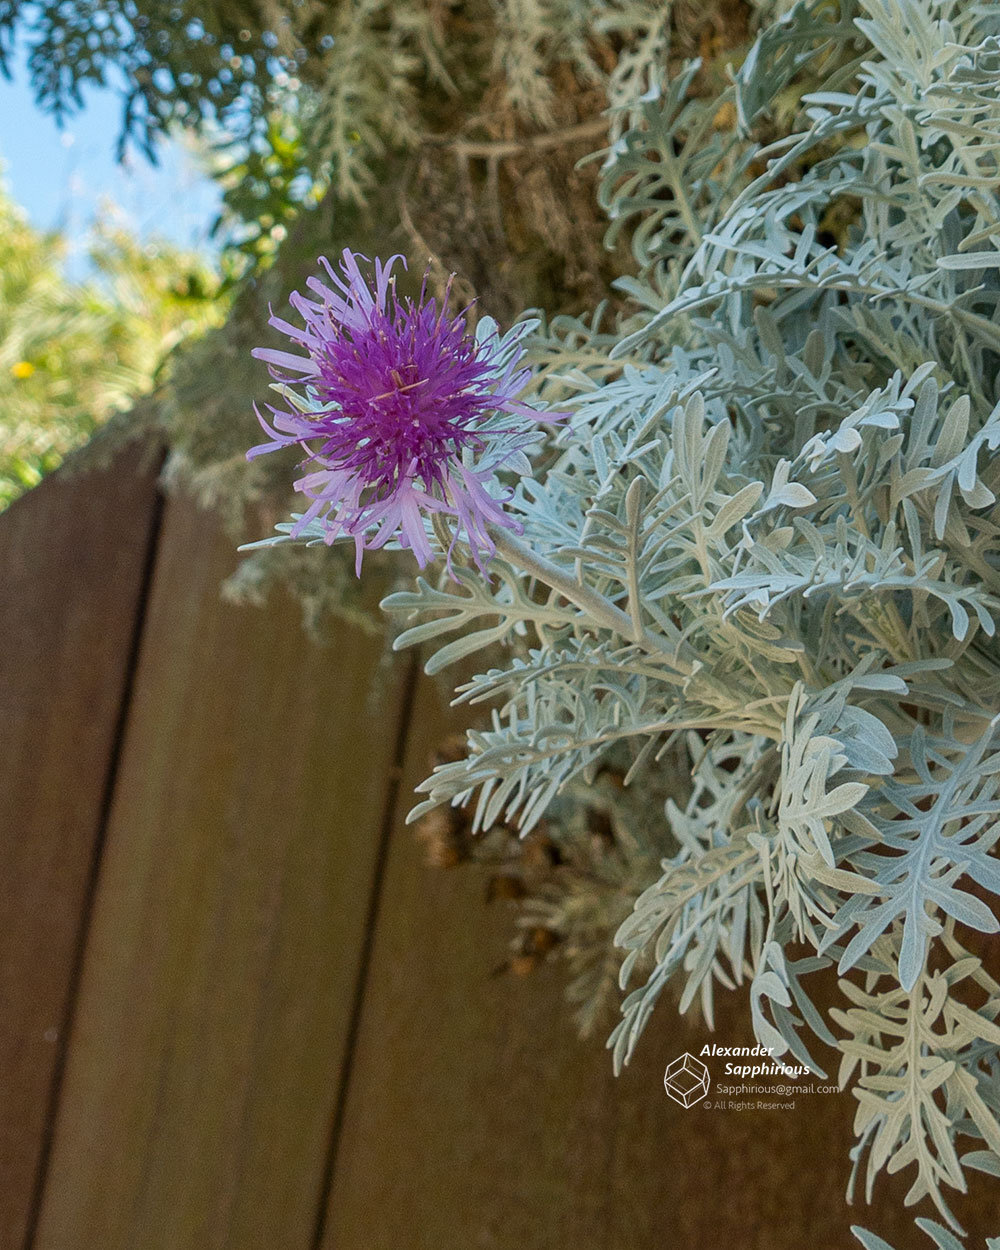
x=61 y=175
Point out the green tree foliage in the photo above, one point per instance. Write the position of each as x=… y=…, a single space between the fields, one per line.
x=74 y=353
x=296 y=96
x=178 y=62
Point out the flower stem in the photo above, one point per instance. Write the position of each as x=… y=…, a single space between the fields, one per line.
x=600 y=610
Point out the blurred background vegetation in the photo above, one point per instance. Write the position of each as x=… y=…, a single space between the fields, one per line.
x=451 y=131
x=73 y=353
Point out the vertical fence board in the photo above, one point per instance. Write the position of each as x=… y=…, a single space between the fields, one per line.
x=475 y=1117
x=219 y=978
x=72 y=560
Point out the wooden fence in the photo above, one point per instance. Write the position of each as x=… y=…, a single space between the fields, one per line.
x=236 y=1010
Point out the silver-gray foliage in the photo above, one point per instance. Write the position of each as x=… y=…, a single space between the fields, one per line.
x=941 y=1237
x=769 y=537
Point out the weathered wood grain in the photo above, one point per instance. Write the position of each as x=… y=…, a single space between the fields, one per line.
x=475 y=1118
x=72 y=558
x=219 y=980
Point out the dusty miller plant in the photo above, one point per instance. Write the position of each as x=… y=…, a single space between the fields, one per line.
x=766 y=542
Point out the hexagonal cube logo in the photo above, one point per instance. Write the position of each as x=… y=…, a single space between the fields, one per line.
x=686 y=1080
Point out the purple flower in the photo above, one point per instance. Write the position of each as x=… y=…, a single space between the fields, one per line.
x=402 y=413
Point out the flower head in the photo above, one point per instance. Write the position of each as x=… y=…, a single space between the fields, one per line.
x=401 y=411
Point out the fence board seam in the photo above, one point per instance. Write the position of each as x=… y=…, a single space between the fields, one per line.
x=93 y=874
x=389 y=821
